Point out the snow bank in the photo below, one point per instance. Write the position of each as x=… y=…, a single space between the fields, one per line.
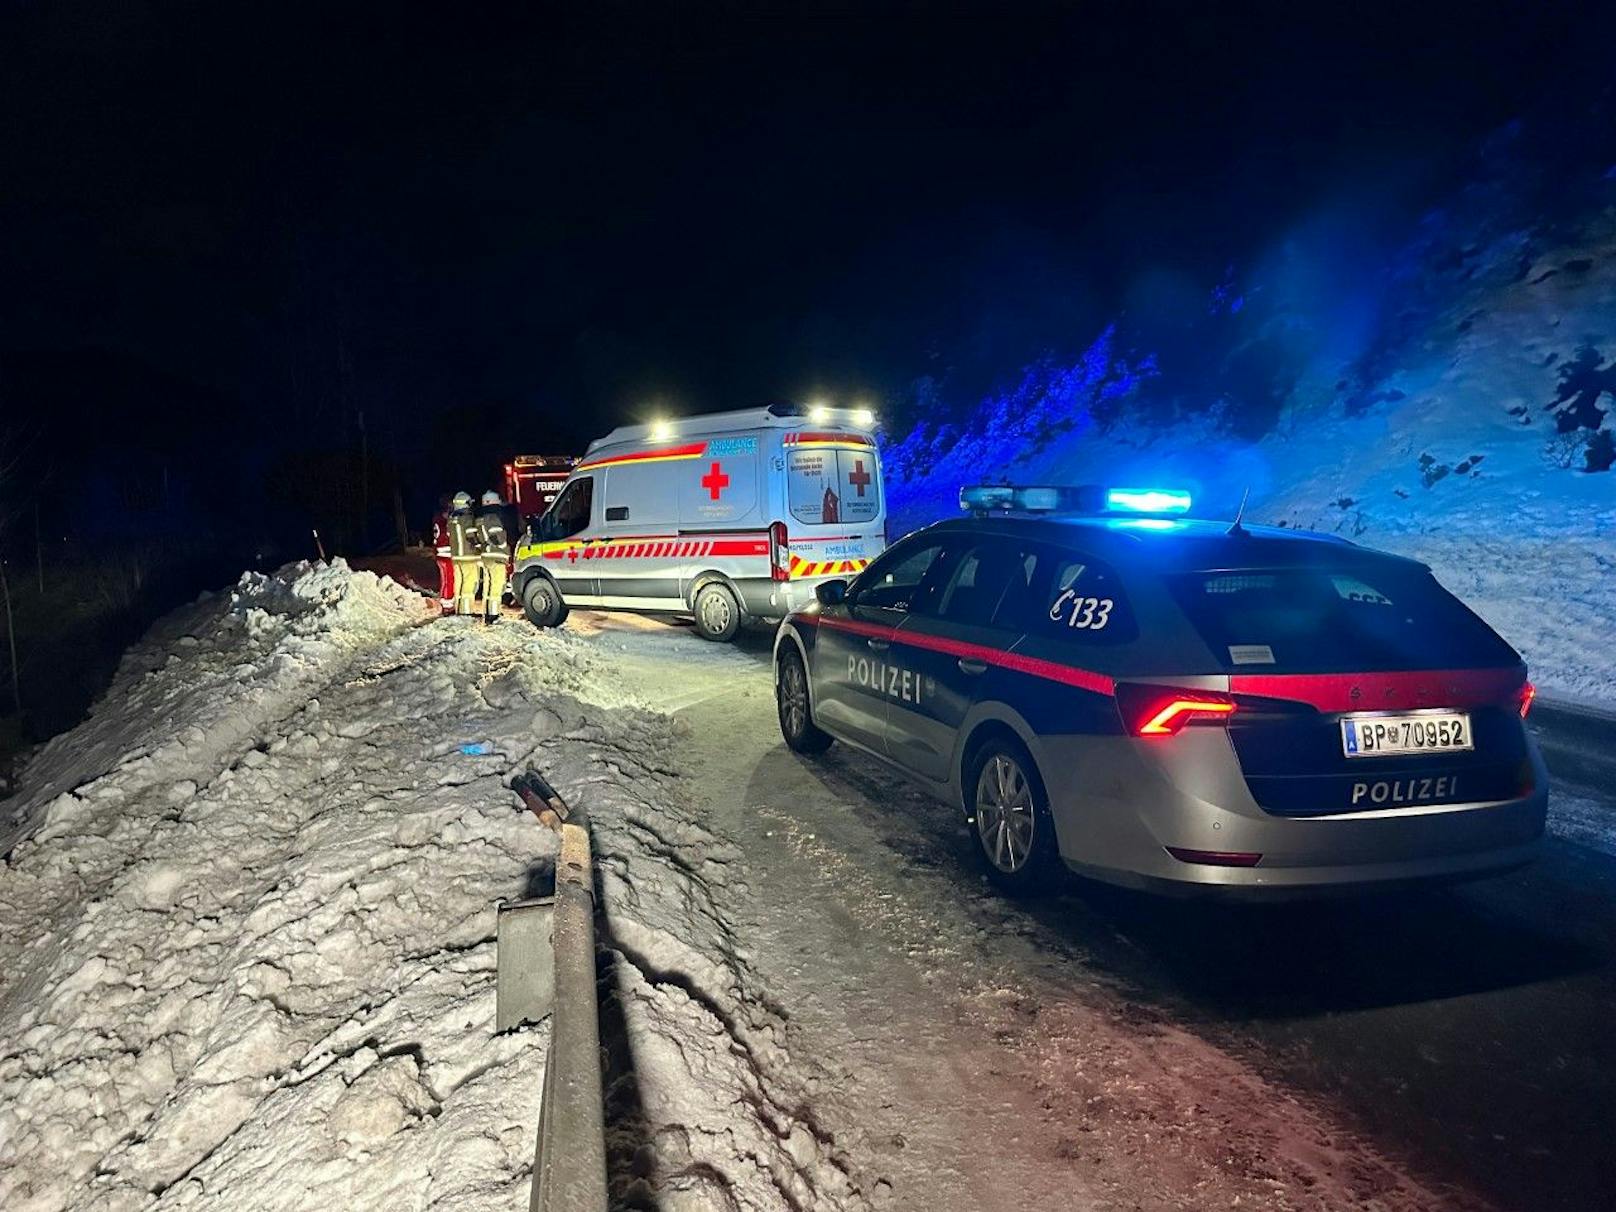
x=247 y=932
x=249 y=956
x=206 y=679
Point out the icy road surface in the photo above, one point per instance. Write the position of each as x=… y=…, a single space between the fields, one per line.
x=1100 y=1049
x=246 y=960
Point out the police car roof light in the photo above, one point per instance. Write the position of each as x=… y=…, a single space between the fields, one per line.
x=1147 y=500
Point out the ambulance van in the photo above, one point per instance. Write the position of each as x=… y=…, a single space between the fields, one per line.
x=723 y=517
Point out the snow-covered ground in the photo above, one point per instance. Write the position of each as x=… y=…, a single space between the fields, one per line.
x=247 y=953
x=247 y=919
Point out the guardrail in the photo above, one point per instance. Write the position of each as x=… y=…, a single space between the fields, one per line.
x=547 y=965
x=1578 y=742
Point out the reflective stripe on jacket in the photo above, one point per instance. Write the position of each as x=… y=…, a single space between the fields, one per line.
x=464 y=537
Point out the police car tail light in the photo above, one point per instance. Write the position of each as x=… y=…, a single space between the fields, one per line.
x=1528 y=694
x=779 y=553
x=1158 y=711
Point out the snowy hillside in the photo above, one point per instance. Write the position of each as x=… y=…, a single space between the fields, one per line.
x=1463 y=416
x=247 y=923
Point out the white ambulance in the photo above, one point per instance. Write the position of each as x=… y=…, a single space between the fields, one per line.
x=722 y=517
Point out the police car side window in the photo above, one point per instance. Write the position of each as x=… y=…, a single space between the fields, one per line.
x=1080 y=600
x=894 y=581
x=988 y=586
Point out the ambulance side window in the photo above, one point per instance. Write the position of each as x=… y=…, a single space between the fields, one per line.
x=897 y=579
x=570 y=513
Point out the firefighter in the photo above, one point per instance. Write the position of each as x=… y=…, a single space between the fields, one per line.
x=445 y=556
x=465 y=551
x=494 y=533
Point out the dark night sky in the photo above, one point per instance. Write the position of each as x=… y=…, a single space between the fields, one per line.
x=315 y=208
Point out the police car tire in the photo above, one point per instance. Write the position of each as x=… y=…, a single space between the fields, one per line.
x=716 y=601
x=809 y=738
x=1042 y=868
x=542 y=604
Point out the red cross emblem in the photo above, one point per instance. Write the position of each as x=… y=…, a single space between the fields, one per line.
x=858 y=477
x=715 y=481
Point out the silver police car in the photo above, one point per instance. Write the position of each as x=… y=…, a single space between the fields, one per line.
x=1174 y=704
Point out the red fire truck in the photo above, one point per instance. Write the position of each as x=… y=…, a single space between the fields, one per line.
x=532 y=481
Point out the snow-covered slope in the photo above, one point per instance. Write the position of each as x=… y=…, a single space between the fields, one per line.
x=1440 y=437
x=247 y=931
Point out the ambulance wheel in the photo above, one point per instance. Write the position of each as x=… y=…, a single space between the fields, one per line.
x=1015 y=833
x=796 y=716
x=718 y=614
x=541 y=602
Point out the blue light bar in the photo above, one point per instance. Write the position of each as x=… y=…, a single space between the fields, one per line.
x=1147 y=500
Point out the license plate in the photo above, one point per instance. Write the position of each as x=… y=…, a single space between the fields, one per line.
x=1396 y=735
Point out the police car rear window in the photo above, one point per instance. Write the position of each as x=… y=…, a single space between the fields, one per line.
x=1312 y=620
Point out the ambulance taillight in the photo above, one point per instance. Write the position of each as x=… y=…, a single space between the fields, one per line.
x=779 y=553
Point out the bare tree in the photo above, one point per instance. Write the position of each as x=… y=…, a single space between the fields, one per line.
x=12 y=448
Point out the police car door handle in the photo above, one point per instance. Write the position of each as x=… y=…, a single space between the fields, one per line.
x=879 y=645
x=972 y=667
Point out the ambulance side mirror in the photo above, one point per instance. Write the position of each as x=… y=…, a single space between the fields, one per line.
x=831 y=593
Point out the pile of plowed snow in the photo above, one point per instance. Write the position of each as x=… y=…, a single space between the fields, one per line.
x=247 y=928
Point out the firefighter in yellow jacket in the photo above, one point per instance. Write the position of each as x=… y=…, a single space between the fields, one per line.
x=465 y=549
x=495 y=544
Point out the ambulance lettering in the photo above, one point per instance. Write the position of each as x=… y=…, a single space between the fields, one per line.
x=891 y=680
x=1406 y=791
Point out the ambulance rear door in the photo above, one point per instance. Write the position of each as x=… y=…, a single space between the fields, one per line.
x=836 y=502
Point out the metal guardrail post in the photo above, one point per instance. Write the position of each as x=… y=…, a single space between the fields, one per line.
x=569 y=1169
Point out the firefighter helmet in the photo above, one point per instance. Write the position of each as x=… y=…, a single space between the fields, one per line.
x=462 y=500
x=492 y=498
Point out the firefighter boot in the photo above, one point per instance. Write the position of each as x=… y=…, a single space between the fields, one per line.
x=493 y=586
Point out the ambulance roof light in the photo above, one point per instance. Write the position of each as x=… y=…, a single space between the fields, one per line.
x=864 y=418
x=661 y=429
x=818 y=412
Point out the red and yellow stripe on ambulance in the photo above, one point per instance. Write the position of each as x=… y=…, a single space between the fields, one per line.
x=801 y=568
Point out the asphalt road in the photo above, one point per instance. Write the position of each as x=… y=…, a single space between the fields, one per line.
x=1466 y=1037
x=1470 y=1032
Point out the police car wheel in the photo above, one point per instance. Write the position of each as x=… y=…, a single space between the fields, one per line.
x=542 y=604
x=1014 y=831
x=718 y=614
x=796 y=716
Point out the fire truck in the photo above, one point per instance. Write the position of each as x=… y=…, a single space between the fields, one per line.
x=532 y=482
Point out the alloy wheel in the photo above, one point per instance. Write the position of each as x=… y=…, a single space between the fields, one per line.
x=1004 y=813
x=793 y=697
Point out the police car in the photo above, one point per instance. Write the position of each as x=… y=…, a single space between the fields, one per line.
x=1102 y=682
